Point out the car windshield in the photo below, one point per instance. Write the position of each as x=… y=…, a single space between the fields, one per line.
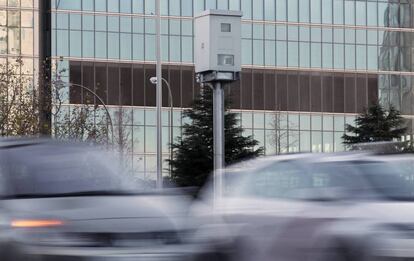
x=53 y=169
x=324 y=180
x=392 y=180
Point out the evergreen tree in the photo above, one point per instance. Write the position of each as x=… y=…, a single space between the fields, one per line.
x=375 y=124
x=193 y=157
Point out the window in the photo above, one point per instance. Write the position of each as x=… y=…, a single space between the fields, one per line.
x=225 y=60
x=226 y=28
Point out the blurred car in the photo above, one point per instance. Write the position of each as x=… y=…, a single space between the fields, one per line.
x=325 y=207
x=65 y=201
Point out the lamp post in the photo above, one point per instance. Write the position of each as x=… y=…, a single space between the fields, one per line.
x=154 y=81
x=97 y=97
x=159 y=94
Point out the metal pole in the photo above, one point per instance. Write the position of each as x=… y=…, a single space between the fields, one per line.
x=218 y=107
x=159 y=97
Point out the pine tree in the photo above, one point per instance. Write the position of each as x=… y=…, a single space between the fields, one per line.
x=374 y=125
x=192 y=161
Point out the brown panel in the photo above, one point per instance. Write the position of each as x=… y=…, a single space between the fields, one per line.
x=138 y=85
x=270 y=90
x=234 y=94
x=101 y=81
x=293 y=91
x=350 y=104
x=281 y=91
x=338 y=93
x=75 y=76
x=316 y=92
x=361 y=92
x=88 y=81
x=113 y=84
x=247 y=92
x=165 y=97
x=187 y=85
x=175 y=84
x=149 y=87
x=126 y=85
x=258 y=90
x=304 y=91
x=327 y=93
x=372 y=89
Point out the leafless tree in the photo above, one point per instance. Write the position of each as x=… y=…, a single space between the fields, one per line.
x=282 y=140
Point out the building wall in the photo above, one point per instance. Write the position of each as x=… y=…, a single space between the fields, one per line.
x=19 y=34
x=314 y=64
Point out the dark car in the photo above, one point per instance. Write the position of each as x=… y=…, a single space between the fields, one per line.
x=325 y=207
x=65 y=201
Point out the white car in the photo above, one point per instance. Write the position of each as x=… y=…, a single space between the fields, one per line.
x=350 y=206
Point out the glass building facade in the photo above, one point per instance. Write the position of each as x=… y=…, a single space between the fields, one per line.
x=19 y=34
x=309 y=66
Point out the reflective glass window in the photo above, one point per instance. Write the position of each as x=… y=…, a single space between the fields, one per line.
x=175 y=49
x=293 y=10
x=234 y=5
x=149 y=26
x=113 y=5
x=187 y=49
x=304 y=57
x=126 y=24
x=327 y=55
x=281 y=53
x=361 y=36
x=305 y=122
x=350 y=36
x=246 y=51
x=349 y=56
x=304 y=11
x=246 y=30
x=175 y=7
x=87 y=5
x=113 y=45
x=126 y=46
x=246 y=8
x=3 y=17
x=138 y=25
x=62 y=42
x=281 y=9
x=327 y=11
x=25 y=3
x=293 y=33
x=164 y=7
x=76 y=22
x=316 y=11
x=372 y=37
x=100 y=5
x=372 y=14
x=3 y=40
x=100 y=45
x=304 y=33
x=270 y=31
x=75 y=43
x=149 y=7
x=69 y=4
x=258 y=57
x=88 y=44
x=88 y=22
x=372 y=57
x=149 y=47
x=305 y=141
x=349 y=12
x=316 y=55
x=223 y=5
x=361 y=12
x=361 y=57
x=187 y=8
x=338 y=11
x=258 y=10
x=327 y=35
x=328 y=142
x=211 y=4
x=198 y=6
x=382 y=14
x=138 y=47
x=293 y=54
x=270 y=53
x=269 y=9
x=257 y=31
x=338 y=35
x=281 y=32
x=100 y=23
x=316 y=141
x=126 y=6
x=137 y=6
x=27 y=42
x=339 y=62
x=62 y=20
x=113 y=23
x=187 y=27
x=175 y=27
x=316 y=34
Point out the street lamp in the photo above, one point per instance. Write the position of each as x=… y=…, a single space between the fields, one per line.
x=97 y=97
x=154 y=81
